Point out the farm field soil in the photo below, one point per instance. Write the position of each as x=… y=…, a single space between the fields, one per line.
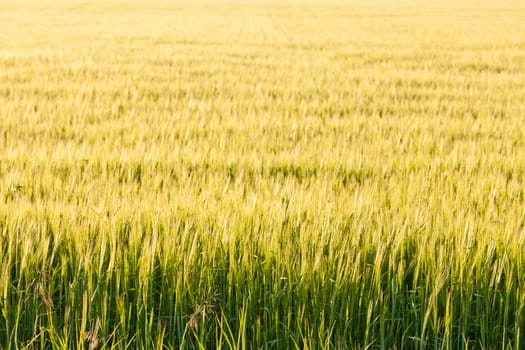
x=262 y=174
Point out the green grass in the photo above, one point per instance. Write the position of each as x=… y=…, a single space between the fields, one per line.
x=262 y=175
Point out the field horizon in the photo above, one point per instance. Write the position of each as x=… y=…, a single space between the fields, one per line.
x=262 y=174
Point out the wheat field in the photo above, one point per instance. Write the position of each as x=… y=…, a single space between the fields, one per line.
x=298 y=174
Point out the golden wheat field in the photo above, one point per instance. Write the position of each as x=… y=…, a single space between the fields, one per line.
x=298 y=174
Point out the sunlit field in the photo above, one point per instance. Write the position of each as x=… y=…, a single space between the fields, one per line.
x=262 y=174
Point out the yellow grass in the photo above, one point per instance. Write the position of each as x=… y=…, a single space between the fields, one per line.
x=231 y=146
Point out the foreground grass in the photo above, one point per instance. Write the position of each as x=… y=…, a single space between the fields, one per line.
x=262 y=175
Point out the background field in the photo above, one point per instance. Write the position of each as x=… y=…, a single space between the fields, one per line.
x=257 y=174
